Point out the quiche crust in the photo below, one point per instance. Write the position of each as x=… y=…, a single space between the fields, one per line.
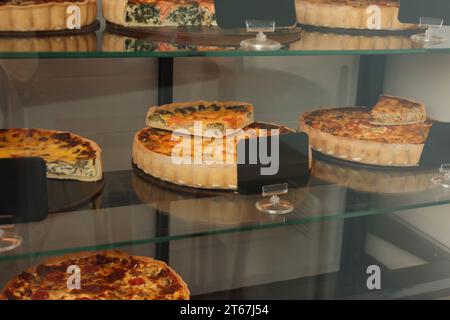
x=362 y=151
x=79 y=43
x=349 y=14
x=48 y=16
x=205 y=176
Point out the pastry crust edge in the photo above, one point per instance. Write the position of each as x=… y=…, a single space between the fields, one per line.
x=362 y=151
x=346 y=16
x=50 y=16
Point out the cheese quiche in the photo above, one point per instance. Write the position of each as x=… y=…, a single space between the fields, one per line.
x=347 y=133
x=397 y=111
x=157 y=13
x=67 y=155
x=207 y=162
x=44 y=15
x=215 y=117
x=104 y=275
x=351 y=14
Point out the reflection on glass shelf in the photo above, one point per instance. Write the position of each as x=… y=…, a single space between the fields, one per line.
x=173 y=42
x=131 y=208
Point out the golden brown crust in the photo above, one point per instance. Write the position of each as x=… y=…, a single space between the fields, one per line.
x=79 y=43
x=362 y=151
x=350 y=14
x=394 y=111
x=47 y=16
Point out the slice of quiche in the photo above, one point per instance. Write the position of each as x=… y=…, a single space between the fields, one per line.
x=392 y=110
x=157 y=13
x=213 y=118
x=66 y=155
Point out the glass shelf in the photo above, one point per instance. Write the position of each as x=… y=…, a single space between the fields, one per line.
x=131 y=207
x=110 y=42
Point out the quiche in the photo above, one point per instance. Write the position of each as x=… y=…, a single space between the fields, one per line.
x=66 y=155
x=158 y=13
x=348 y=133
x=104 y=275
x=208 y=162
x=351 y=14
x=215 y=118
x=397 y=111
x=44 y=15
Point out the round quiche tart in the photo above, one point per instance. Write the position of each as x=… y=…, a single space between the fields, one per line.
x=348 y=133
x=200 y=162
x=44 y=15
x=351 y=14
x=66 y=155
x=104 y=275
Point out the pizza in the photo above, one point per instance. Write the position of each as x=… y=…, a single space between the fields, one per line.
x=157 y=13
x=397 y=111
x=200 y=162
x=105 y=275
x=347 y=133
x=44 y=15
x=351 y=14
x=66 y=155
x=215 y=117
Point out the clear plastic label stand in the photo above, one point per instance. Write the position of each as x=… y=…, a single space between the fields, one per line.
x=429 y=38
x=443 y=178
x=260 y=43
x=273 y=204
x=9 y=239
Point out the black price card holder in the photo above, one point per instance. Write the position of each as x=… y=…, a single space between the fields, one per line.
x=429 y=14
x=23 y=189
x=233 y=14
x=437 y=147
x=293 y=163
x=411 y=11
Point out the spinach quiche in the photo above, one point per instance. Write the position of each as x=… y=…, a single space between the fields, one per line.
x=347 y=133
x=44 y=15
x=104 y=275
x=156 y=13
x=67 y=156
x=215 y=118
x=207 y=162
x=352 y=14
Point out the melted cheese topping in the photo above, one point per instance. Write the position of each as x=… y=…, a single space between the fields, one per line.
x=355 y=123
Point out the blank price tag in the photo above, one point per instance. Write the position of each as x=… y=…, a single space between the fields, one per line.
x=437 y=147
x=23 y=189
x=289 y=164
x=411 y=11
x=233 y=14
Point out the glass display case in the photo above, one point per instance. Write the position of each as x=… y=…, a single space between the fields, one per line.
x=368 y=220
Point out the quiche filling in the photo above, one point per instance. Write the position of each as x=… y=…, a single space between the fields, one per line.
x=170 y=13
x=355 y=123
x=66 y=155
x=397 y=111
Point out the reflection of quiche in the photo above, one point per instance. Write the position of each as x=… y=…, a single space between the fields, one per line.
x=67 y=155
x=313 y=40
x=44 y=15
x=397 y=111
x=104 y=275
x=351 y=14
x=77 y=43
x=151 y=13
x=347 y=133
x=378 y=181
x=208 y=163
x=214 y=117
